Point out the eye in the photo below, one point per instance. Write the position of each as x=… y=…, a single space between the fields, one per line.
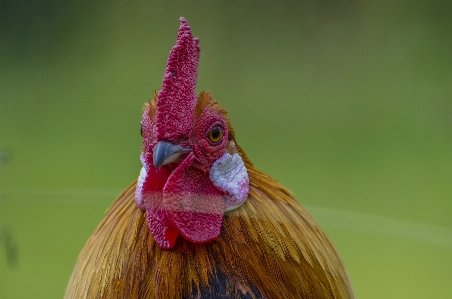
x=216 y=134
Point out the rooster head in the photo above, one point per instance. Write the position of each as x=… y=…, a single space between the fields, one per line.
x=192 y=173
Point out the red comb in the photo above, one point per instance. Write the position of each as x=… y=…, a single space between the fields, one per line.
x=176 y=100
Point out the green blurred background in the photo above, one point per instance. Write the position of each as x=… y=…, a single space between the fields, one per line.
x=347 y=103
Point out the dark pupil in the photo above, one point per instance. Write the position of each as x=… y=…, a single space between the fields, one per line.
x=216 y=133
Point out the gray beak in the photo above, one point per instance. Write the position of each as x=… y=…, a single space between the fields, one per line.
x=166 y=152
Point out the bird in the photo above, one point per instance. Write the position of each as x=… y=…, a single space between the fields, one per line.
x=201 y=221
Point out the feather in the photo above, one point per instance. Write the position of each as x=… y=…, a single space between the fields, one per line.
x=270 y=247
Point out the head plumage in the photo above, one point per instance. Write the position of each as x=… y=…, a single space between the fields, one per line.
x=176 y=101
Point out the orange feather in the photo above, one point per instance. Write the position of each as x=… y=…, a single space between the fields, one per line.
x=270 y=247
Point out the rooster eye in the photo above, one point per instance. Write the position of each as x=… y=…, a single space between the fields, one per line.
x=215 y=134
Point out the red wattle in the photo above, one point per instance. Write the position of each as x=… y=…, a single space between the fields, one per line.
x=193 y=204
x=164 y=232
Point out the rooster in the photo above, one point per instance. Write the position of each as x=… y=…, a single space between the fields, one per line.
x=201 y=221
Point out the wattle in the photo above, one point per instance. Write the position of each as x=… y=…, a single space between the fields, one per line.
x=193 y=204
x=183 y=201
x=164 y=232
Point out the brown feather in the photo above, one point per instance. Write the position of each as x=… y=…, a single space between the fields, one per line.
x=270 y=243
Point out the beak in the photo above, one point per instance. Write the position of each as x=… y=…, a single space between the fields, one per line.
x=166 y=152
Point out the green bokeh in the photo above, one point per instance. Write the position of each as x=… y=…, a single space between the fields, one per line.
x=347 y=103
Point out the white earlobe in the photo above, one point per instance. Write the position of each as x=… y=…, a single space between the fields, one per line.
x=229 y=174
x=138 y=192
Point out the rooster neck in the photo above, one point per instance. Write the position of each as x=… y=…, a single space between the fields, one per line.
x=270 y=244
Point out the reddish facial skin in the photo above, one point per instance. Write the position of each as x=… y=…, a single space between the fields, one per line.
x=179 y=198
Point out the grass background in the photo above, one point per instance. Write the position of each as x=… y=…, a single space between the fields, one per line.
x=347 y=103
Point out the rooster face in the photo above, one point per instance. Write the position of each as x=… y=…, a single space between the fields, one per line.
x=191 y=171
x=207 y=142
